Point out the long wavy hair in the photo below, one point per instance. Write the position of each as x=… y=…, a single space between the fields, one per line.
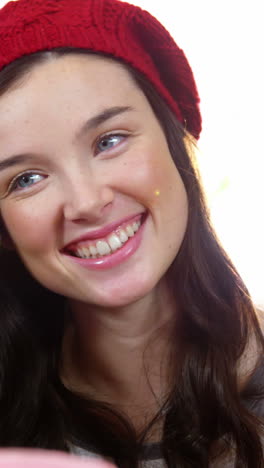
x=209 y=413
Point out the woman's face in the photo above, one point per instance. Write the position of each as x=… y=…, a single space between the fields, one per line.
x=84 y=163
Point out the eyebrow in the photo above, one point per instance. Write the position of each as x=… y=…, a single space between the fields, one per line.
x=99 y=119
x=15 y=160
x=89 y=125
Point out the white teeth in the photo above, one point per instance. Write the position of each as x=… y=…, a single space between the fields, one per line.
x=129 y=231
x=93 y=250
x=86 y=252
x=79 y=253
x=135 y=227
x=83 y=252
x=122 y=236
x=114 y=242
x=103 y=248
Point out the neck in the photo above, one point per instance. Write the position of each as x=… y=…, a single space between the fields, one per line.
x=121 y=356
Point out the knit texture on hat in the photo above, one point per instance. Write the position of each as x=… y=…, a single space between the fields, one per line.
x=112 y=27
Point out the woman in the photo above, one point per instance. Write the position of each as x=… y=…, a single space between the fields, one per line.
x=126 y=331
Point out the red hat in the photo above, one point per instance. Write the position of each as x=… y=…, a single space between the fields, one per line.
x=109 y=26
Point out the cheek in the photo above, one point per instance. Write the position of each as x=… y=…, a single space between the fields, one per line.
x=167 y=200
x=142 y=175
x=29 y=228
x=151 y=177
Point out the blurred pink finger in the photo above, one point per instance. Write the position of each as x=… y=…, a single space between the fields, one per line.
x=35 y=458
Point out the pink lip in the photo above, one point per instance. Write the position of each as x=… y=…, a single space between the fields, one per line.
x=102 y=232
x=110 y=261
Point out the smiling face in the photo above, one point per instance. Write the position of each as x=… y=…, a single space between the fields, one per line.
x=84 y=165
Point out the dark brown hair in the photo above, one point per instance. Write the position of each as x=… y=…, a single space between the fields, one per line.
x=209 y=411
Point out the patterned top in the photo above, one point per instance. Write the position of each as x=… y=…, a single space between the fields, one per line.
x=152 y=455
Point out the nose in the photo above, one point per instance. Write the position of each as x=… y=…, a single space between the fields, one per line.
x=86 y=198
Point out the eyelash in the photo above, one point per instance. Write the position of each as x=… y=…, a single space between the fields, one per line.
x=12 y=185
x=109 y=135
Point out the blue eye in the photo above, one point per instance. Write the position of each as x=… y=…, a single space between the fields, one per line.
x=26 y=180
x=108 y=142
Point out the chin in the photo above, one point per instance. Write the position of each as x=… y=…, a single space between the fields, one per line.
x=126 y=297
x=121 y=296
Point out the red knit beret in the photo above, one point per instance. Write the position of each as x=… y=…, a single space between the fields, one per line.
x=109 y=26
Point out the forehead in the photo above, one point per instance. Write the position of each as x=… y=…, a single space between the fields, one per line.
x=74 y=70
x=73 y=87
x=96 y=77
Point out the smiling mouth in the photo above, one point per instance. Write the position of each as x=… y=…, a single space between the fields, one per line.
x=110 y=244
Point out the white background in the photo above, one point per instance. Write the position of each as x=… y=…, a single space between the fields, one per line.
x=224 y=43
